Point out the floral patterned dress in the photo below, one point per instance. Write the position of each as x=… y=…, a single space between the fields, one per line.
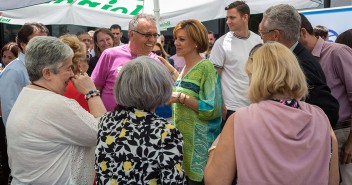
x=137 y=147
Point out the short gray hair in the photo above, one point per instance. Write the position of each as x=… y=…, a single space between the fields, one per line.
x=143 y=83
x=285 y=18
x=134 y=22
x=44 y=51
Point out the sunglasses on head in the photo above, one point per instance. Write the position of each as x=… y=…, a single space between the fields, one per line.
x=157 y=52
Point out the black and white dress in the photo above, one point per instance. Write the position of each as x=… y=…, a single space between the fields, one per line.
x=137 y=147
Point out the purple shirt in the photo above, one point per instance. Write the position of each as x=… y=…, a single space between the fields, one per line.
x=105 y=72
x=179 y=62
x=336 y=61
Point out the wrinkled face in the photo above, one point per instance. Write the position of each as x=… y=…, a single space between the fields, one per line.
x=144 y=37
x=61 y=79
x=234 y=20
x=104 y=41
x=211 y=40
x=265 y=33
x=184 y=44
x=85 y=38
x=7 y=57
x=117 y=35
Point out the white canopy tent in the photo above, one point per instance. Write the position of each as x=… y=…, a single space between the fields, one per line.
x=103 y=13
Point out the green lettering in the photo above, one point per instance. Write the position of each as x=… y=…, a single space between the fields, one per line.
x=60 y=1
x=137 y=10
x=107 y=6
x=124 y=10
x=90 y=3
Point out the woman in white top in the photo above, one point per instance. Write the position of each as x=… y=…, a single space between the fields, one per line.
x=51 y=138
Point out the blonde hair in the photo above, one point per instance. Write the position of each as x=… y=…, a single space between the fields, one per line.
x=274 y=71
x=196 y=31
x=78 y=49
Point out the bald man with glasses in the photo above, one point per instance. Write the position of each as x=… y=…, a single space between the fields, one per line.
x=142 y=33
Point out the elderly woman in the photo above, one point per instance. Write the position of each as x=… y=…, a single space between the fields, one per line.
x=51 y=138
x=79 y=66
x=197 y=99
x=135 y=146
x=278 y=139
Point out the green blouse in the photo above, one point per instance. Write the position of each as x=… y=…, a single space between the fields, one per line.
x=199 y=128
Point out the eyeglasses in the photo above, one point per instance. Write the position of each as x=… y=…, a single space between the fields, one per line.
x=148 y=35
x=261 y=33
x=157 y=52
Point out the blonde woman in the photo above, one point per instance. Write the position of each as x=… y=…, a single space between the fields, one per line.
x=278 y=139
x=79 y=66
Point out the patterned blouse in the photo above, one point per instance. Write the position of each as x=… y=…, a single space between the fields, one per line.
x=138 y=147
x=199 y=129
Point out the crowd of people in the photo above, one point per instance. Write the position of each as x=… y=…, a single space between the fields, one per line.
x=267 y=108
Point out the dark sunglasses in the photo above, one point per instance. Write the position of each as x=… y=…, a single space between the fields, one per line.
x=157 y=52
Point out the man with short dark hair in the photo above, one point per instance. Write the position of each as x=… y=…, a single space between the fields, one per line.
x=229 y=55
x=282 y=23
x=117 y=32
x=336 y=62
x=211 y=39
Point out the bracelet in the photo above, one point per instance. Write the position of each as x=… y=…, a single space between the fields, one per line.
x=178 y=97
x=91 y=94
x=211 y=149
x=184 y=100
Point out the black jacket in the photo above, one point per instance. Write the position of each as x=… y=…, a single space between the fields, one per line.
x=319 y=92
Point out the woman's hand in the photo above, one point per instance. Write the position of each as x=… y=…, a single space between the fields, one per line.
x=174 y=97
x=83 y=83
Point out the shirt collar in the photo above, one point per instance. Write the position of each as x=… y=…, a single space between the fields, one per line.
x=318 y=47
x=21 y=57
x=294 y=46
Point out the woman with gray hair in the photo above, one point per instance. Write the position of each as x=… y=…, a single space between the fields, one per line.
x=51 y=138
x=135 y=146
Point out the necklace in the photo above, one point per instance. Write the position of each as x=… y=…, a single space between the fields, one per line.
x=40 y=86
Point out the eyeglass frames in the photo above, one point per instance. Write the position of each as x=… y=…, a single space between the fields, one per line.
x=261 y=33
x=148 y=35
x=157 y=52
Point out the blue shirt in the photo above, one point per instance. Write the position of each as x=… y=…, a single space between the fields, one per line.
x=12 y=79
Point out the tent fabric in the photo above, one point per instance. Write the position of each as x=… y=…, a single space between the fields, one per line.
x=103 y=13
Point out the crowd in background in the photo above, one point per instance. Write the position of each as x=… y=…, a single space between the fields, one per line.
x=246 y=108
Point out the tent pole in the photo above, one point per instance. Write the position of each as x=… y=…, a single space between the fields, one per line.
x=327 y=3
x=157 y=16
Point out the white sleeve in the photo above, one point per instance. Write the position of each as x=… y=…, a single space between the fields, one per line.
x=218 y=55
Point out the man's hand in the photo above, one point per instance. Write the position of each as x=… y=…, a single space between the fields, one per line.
x=346 y=151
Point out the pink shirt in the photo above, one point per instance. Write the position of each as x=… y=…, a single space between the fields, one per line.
x=179 y=62
x=278 y=144
x=105 y=72
x=336 y=61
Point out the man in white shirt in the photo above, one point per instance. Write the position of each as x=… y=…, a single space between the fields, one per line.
x=229 y=55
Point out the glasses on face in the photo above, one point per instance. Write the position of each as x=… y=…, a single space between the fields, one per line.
x=157 y=52
x=261 y=33
x=148 y=35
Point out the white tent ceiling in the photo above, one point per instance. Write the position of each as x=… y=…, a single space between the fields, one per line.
x=103 y=13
